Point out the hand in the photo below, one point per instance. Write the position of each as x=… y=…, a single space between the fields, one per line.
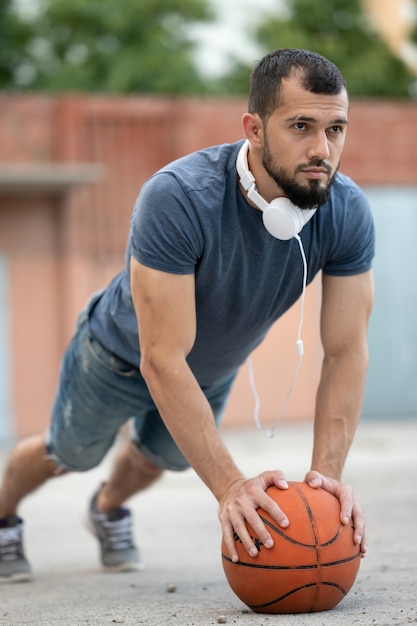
x=349 y=505
x=240 y=502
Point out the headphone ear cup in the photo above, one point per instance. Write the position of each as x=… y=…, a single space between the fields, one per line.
x=281 y=219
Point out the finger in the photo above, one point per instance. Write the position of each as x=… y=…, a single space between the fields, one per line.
x=276 y=477
x=271 y=507
x=245 y=538
x=359 y=526
x=344 y=493
x=347 y=507
x=364 y=542
x=229 y=542
x=260 y=532
x=314 y=479
x=257 y=534
x=360 y=536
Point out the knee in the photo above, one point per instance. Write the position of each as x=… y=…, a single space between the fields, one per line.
x=33 y=452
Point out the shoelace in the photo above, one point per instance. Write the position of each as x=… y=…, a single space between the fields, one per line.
x=118 y=533
x=11 y=543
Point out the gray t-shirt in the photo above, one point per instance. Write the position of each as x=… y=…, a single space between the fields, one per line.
x=191 y=217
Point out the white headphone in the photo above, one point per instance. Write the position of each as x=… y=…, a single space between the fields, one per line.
x=282 y=219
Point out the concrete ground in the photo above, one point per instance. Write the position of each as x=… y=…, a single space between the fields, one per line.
x=176 y=526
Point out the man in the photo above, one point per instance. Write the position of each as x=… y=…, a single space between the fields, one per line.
x=204 y=281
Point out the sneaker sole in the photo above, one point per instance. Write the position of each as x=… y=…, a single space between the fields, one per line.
x=123 y=567
x=19 y=577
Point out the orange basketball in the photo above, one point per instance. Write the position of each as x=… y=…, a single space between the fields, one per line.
x=313 y=563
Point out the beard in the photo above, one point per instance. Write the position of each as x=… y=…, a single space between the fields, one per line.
x=309 y=196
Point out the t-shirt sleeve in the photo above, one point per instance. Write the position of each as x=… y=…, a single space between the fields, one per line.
x=165 y=233
x=353 y=237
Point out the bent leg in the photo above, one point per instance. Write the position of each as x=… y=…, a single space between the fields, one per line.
x=131 y=473
x=27 y=469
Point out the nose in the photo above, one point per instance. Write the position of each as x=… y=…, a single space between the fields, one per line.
x=319 y=147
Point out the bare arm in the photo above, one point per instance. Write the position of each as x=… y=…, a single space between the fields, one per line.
x=165 y=308
x=166 y=317
x=346 y=307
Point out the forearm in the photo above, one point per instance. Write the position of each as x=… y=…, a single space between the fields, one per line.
x=338 y=407
x=189 y=418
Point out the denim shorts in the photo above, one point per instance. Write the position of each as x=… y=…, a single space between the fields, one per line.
x=98 y=393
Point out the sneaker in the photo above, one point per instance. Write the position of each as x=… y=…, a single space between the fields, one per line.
x=13 y=564
x=114 y=532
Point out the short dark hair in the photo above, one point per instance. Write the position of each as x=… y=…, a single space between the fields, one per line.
x=317 y=74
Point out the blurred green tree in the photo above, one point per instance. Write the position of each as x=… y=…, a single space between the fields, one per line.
x=341 y=31
x=14 y=34
x=102 y=46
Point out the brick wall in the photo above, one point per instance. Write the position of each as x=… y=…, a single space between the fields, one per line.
x=380 y=148
x=130 y=138
x=27 y=129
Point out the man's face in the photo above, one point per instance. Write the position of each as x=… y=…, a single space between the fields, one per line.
x=303 y=142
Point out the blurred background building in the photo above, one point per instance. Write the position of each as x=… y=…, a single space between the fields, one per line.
x=71 y=166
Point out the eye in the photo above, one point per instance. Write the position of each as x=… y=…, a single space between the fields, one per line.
x=336 y=129
x=300 y=126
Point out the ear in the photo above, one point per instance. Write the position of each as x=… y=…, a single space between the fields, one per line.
x=254 y=129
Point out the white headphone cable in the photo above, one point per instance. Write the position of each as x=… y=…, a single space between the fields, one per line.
x=300 y=350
